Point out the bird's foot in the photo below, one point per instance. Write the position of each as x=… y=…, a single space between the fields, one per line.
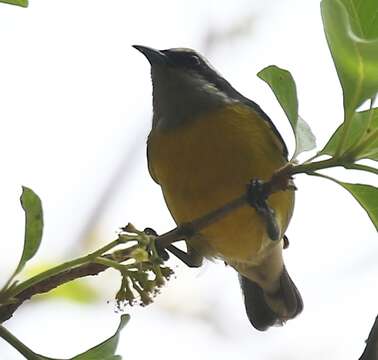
x=257 y=195
x=162 y=252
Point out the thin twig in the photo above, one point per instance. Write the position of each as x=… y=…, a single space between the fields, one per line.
x=46 y=285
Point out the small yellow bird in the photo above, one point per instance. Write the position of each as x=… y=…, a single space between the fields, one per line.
x=207 y=142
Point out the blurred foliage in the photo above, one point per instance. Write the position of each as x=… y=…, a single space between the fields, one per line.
x=79 y=291
x=76 y=291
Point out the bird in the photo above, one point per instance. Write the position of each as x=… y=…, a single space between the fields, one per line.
x=207 y=141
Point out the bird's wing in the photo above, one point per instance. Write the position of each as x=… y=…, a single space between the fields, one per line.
x=150 y=169
x=256 y=108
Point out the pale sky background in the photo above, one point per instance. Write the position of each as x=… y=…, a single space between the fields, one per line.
x=76 y=108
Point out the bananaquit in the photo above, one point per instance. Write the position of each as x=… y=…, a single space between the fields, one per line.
x=207 y=142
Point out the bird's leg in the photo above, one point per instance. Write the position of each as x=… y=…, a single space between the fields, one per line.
x=160 y=250
x=257 y=196
x=189 y=258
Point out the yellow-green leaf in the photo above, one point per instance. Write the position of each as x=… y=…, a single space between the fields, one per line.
x=23 y=3
x=363 y=130
x=363 y=17
x=283 y=86
x=106 y=350
x=354 y=48
x=32 y=206
x=367 y=196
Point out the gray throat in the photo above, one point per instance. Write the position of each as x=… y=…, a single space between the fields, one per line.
x=179 y=98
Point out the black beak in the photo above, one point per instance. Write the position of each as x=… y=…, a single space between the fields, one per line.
x=155 y=57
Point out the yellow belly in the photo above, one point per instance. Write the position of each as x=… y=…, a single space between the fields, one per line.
x=205 y=164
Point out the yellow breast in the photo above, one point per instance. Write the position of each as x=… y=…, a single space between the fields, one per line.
x=208 y=162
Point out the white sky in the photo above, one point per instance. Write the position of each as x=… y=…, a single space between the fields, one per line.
x=76 y=104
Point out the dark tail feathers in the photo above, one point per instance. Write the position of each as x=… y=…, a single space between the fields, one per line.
x=259 y=313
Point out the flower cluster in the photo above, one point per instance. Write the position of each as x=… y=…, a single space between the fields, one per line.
x=144 y=274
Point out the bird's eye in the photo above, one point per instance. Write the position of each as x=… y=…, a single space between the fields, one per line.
x=194 y=60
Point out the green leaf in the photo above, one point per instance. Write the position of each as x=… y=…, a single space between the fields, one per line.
x=353 y=43
x=367 y=196
x=363 y=16
x=23 y=3
x=32 y=206
x=283 y=86
x=106 y=350
x=363 y=126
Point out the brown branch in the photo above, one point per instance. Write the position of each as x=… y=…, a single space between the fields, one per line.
x=280 y=181
x=46 y=285
x=371 y=349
